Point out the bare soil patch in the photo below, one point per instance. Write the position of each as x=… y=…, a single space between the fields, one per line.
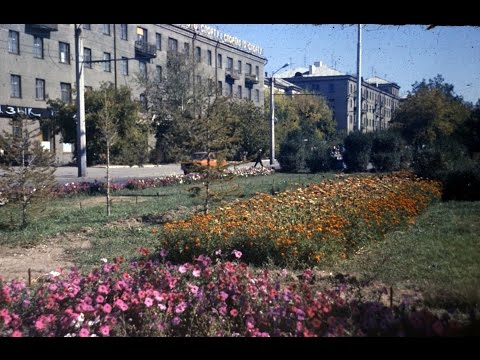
x=50 y=255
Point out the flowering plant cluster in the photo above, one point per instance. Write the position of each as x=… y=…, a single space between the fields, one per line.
x=200 y=298
x=96 y=187
x=305 y=226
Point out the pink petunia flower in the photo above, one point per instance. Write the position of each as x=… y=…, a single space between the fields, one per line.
x=84 y=333
x=105 y=330
x=148 y=302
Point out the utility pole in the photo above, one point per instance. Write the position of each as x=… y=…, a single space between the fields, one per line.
x=359 y=78
x=115 y=55
x=272 y=122
x=272 y=116
x=79 y=75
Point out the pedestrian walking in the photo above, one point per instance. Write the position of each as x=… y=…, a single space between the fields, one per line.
x=258 y=159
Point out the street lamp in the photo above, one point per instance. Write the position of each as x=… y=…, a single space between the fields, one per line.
x=272 y=116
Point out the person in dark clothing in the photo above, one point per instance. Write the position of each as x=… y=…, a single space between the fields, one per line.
x=258 y=159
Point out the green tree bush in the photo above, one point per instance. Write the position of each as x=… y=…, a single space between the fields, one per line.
x=27 y=178
x=358 y=147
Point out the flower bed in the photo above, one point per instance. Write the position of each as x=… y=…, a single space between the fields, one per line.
x=201 y=298
x=306 y=226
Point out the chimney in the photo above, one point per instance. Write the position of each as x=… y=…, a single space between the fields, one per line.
x=312 y=69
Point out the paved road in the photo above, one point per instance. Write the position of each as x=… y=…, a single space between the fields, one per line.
x=121 y=174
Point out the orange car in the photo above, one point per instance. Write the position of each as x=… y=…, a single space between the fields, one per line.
x=199 y=160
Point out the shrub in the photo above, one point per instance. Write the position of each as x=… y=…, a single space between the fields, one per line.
x=387 y=149
x=357 y=151
x=463 y=184
x=436 y=161
x=319 y=158
x=292 y=152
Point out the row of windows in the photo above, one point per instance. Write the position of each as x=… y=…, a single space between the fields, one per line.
x=239 y=93
x=106 y=29
x=64 y=50
x=16 y=89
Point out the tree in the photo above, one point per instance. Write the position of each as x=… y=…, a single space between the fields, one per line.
x=131 y=145
x=431 y=111
x=28 y=169
x=252 y=129
x=303 y=123
x=469 y=132
x=108 y=124
x=173 y=100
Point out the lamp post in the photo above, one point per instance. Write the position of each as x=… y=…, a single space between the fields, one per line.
x=272 y=116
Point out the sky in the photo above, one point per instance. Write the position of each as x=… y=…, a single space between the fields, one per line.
x=403 y=54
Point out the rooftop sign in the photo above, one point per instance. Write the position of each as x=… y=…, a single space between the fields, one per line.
x=224 y=38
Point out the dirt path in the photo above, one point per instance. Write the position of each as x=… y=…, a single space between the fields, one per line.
x=41 y=259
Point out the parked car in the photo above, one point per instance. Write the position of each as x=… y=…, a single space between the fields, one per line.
x=199 y=161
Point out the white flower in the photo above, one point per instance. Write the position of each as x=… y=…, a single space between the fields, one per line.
x=54 y=273
x=81 y=318
x=104 y=260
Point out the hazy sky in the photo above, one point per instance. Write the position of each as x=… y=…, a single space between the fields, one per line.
x=403 y=54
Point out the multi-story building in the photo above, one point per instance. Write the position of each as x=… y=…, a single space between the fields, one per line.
x=37 y=63
x=380 y=98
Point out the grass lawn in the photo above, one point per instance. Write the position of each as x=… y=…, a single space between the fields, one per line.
x=439 y=255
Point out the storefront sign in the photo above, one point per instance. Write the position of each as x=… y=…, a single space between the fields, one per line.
x=225 y=38
x=12 y=111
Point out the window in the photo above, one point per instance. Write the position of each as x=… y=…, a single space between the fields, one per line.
x=15 y=86
x=249 y=93
x=142 y=68
x=106 y=29
x=87 y=26
x=38 y=47
x=107 y=65
x=198 y=54
x=142 y=34
x=229 y=89
x=257 y=71
x=39 y=89
x=219 y=88
x=124 y=31
x=229 y=63
x=209 y=86
x=219 y=61
x=239 y=65
x=172 y=45
x=198 y=80
x=158 y=73
x=186 y=48
x=64 y=52
x=124 y=66
x=239 y=91
x=209 y=57
x=87 y=57
x=158 y=41
x=66 y=92
x=249 y=69
x=257 y=95
x=13 y=42
x=143 y=101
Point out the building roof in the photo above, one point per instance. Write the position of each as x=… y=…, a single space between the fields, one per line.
x=317 y=69
x=377 y=80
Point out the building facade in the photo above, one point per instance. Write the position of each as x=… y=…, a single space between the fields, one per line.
x=380 y=98
x=37 y=63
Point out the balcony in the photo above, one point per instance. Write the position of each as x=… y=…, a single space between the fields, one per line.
x=42 y=30
x=251 y=79
x=231 y=74
x=45 y=27
x=144 y=50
